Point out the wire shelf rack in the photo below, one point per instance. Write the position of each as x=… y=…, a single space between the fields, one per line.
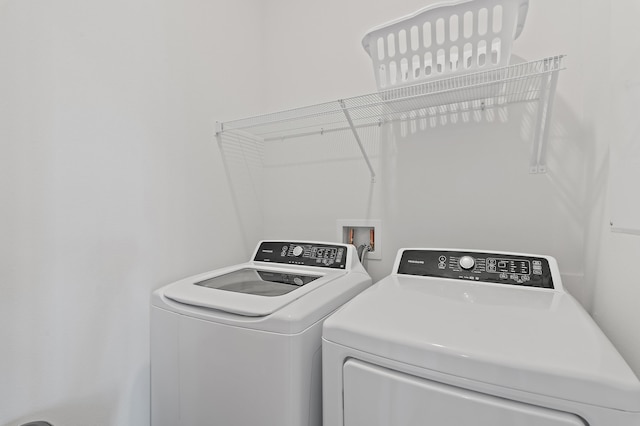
x=525 y=82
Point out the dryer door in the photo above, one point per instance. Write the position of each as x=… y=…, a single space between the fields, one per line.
x=376 y=396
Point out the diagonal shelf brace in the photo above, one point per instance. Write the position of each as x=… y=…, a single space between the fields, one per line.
x=355 y=134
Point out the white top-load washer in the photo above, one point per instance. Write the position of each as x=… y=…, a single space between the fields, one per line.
x=242 y=345
x=465 y=338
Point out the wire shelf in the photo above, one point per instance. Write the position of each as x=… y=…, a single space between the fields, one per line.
x=498 y=87
x=525 y=82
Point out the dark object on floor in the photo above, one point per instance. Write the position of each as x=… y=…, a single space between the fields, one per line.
x=38 y=423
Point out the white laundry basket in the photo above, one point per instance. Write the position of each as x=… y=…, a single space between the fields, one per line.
x=445 y=39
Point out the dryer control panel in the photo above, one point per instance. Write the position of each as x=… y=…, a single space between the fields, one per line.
x=496 y=268
x=305 y=254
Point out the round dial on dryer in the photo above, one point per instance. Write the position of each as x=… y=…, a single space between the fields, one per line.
x=467 y=262
x=297 y=251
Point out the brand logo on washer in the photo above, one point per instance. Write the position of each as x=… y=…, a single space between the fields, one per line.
x=419 y=262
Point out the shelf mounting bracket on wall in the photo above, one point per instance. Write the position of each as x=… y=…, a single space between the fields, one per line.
x=355 y=134
x=549 y=83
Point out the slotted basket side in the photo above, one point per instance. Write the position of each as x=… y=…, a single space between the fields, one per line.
x=445 y=39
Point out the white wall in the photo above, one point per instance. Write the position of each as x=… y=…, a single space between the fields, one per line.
x=612 y=258
x=111 y=185
x=450 y=186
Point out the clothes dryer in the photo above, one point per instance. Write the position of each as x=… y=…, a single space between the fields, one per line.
x=467 y=338
x=242 y=345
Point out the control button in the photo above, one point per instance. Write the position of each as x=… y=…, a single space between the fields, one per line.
x=298 y=281
x=467 y=262
x=297 y=250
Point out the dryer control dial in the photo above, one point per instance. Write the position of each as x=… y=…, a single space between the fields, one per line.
x=467 y=263
x=297 y=251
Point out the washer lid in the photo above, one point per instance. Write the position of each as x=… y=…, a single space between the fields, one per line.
x=248 y=289
x=534 y=340
x=259 y=282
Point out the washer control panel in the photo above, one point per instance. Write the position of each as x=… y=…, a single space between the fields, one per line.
x=305 y=254
x=497 y=268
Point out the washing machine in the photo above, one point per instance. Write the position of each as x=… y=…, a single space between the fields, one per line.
x=242 y=345
x=465 y=338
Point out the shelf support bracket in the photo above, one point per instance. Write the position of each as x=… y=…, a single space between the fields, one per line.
x=538 y=163
x=345 y=110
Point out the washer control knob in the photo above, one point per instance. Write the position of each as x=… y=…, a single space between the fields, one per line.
x=467 y=262
x=297 y=251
